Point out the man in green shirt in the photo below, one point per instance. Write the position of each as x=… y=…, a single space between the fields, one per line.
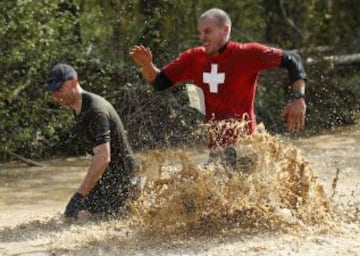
x=108 y=182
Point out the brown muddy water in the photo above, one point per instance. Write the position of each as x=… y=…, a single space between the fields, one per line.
x=301 y=197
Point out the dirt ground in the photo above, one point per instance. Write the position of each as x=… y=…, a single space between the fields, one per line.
x=33 y=198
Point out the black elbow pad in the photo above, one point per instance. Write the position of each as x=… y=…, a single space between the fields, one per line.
x=161 y=82
x=292 y=62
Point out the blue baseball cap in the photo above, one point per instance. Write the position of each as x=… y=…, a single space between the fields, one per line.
x=59 y=74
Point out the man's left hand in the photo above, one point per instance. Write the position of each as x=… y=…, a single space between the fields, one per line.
x=295 y=112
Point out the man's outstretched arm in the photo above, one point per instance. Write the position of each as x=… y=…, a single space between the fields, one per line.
x=295 y=110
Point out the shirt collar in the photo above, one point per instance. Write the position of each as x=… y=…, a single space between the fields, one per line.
x=222 y=48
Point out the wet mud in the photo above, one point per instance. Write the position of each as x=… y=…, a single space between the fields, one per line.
x=294 y=197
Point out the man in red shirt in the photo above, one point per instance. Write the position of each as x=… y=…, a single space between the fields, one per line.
x=227 y=73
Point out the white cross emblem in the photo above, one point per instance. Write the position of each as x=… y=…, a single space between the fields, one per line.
x=214 y=78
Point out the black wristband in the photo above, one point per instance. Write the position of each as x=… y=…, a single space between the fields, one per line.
x=161 y=82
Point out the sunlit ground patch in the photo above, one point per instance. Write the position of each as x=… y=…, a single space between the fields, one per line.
x=277 y=190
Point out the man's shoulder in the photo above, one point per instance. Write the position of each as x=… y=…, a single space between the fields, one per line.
x=253 y=48
x=94 y=99
x=95 y=103
x=194 y=51
x=92 y=96
x=245 y=46
x=191 y=54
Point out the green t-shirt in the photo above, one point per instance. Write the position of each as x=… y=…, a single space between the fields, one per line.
x=98 y=123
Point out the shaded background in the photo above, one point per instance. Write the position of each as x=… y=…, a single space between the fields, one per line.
x=95 y=37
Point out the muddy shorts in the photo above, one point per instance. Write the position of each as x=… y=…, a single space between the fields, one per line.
x=110 y=193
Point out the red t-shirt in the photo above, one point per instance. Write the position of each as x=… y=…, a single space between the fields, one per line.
x=228 y=80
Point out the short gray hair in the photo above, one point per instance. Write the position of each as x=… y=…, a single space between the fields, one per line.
x=218 y=14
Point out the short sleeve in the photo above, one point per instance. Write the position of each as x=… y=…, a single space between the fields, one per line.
x=99 y=128
x=178 y=69
x=262 y=57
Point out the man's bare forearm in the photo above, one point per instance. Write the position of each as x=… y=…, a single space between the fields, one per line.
x=97 y=167
x=299 y=86
x=150 y=72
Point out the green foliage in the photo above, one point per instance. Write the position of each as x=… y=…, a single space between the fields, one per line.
x=33 y=37
x=345 y=22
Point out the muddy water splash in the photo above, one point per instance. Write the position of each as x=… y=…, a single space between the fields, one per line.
x=280 y=191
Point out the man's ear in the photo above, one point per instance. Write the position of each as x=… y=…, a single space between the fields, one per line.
x=227 y=29
x=74 y=82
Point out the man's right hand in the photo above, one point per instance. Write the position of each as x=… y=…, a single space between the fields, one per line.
x=141 y=55
x=76 y=204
